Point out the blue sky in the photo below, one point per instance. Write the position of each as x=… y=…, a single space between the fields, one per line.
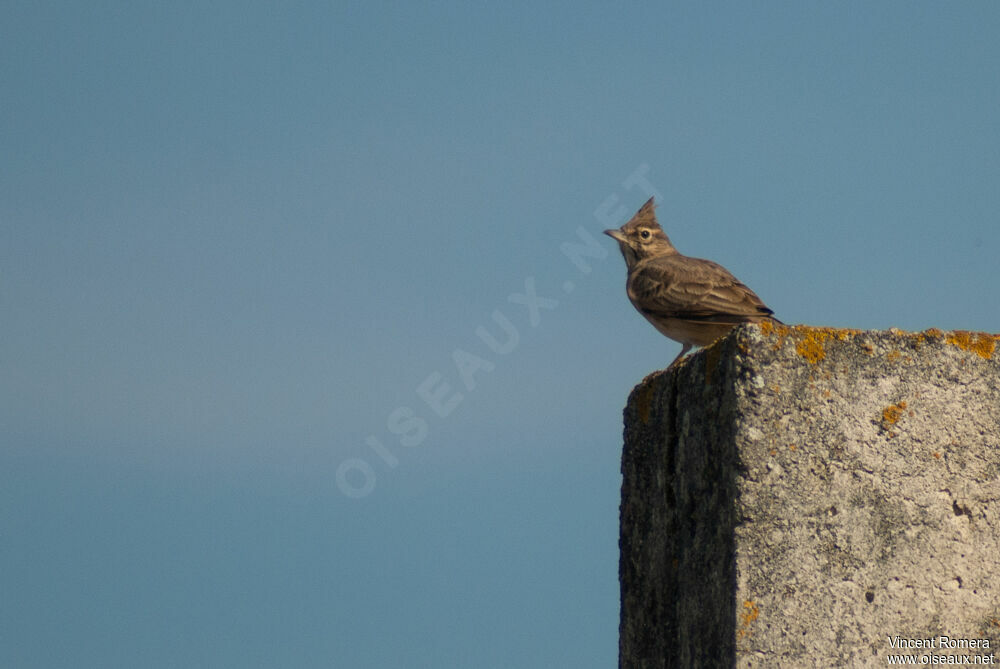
x=235 y=240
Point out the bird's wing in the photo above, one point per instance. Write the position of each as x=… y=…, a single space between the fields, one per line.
x=677 y=286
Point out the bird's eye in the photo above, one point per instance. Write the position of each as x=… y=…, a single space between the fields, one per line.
x=644 y=234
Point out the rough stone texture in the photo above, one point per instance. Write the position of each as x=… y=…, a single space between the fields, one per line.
x=793 y=497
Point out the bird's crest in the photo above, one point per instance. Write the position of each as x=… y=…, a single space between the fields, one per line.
x=646 y=216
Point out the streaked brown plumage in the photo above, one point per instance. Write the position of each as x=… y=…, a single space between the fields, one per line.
x=690 y=300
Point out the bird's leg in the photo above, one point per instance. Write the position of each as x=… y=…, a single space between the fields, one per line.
x=684 y=349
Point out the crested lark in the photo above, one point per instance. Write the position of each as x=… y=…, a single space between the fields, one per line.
x=690 y=300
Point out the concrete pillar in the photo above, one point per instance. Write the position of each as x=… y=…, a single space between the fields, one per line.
x=807 y=497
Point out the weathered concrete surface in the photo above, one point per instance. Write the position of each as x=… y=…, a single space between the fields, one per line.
x=793 y=497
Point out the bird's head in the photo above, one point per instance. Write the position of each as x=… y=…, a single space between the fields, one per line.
x=642 y=237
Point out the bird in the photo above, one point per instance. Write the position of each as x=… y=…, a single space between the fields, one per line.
x=690 y=300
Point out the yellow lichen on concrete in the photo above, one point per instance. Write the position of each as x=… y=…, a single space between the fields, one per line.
x=644 y=400
x=749 y=614
x=712 y=356
x=980 y=343
x=919 y=338
x=892 y=413
x=893 y=355
x=809 y=341
x=811 y=346
x=768 y=328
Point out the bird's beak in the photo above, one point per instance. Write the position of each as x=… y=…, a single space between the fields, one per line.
x=616 y=235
